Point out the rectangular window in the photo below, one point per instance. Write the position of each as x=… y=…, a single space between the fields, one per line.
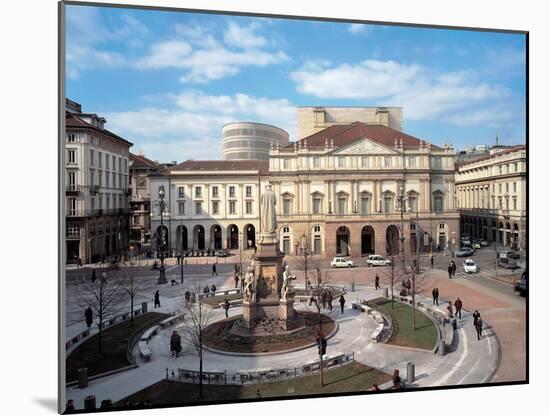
x=500 y=202
x=71 y=156
x=248 y=191
x=100 y=159
x=71 y=180
x=341 y=205
x=181 y=191
x=412 y=204
x=114 y=180
x=316 y=162
x=364 y=206
x=507 y=187
x=120 y=201
x=107 y=161
x=215 y=207
x=286 y=245
x=100 y=178
x=438 y=204
x=248 y=208
x=507 y=204
x=125 y=165
x=71 y=137
x=198 y=208
x=515 y=188
x=388 y=205
x=100 y=205
x=500 y=187
x=387 y=161
x=119 y=164
x=286 y=164
x=120 y=184
x=493 y=188
x=231 y=191
x=108 y=201
x=71 y=206
x=181 y=208
x=412 y=162
x=92 y=161
x=92 y=203
x=214 y=191
x=232 y=206
x=198 y=192
x=515 y=202
x=341 y=162
x=286 y=207
x=316 y=206
x=364 y=162
x=499 y=169
x=317 y=246
x=107 y=179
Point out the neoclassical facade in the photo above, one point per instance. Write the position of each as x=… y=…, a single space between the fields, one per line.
x=491 y=196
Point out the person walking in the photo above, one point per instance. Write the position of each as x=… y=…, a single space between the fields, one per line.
x=175 y=344
x=157 y=299
x=432 y=261
x=435 y=295
x=214 y=271
x=450 y=271
x=396 y=379
x=476 y=315
x=450 y=310
x=458 y=307
x=329 y=300
x=324 y=299
x=342 y=302
x=213 y=288
x=376 y=282
x=453 y=266
x=70 y=408
x=93 y=275
x=226 y=307
x=89 y=314
x=479 y=328
x=236 y=277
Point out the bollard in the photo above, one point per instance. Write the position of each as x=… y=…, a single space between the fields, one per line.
x=89 y=403
x=352 y=286
x=144 y=307
x=410 y=372
x=83 y=377
x=454 y=324
x=441 y=349
x=385 y=292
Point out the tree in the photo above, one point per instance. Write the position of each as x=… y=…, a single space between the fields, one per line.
x=418 y=286
x=193 y=330
x=304 y=264
x=132 y=285
x=103 y=296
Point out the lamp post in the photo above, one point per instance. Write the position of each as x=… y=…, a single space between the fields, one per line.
x=402 y=200
x=304 y=253
x=241 y=255
x=182 y=259
x=162 y=274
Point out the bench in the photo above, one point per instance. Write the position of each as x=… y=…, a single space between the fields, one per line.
x=361 y=307
x=172 y=320
x=146 y=336
x=232 y=303
x=144 y=350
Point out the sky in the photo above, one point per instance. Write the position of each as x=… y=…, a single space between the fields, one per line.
x=169 y=81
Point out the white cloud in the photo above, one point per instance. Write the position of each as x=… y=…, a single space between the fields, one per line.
x=358 y=28
x=243 y=37
x=423 y=95
x=189 y=125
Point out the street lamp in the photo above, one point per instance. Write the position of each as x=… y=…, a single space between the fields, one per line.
x=182 y=254
x=402 y=200
x=303 y=251
x=162 y=276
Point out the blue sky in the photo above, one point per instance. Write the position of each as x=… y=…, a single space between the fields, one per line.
x=169 y=81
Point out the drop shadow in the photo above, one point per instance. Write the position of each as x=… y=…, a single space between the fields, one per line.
x=47 y=403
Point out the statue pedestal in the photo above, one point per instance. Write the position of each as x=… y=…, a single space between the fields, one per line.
x=287 y=315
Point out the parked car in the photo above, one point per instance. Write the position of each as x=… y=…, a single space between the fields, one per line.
x=483 y=242
x=465 y=236
x=339 y=262
x=521 y=286
x=470 y=266
x=508 y=263
x=465 y=243
x=378 y=260
x=512 y=254
x=464 y=252
x=222 y=253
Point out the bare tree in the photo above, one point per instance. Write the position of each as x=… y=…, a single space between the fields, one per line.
x=418 y=284
x=132 y=285
x=193 y=331
x=103 y=296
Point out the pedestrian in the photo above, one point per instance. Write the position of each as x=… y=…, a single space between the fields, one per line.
x=236 y=277
x=79 y=262
x=409 y=286
x=226 y=307
x=458 y=307
x=175 y=344
x=89 y=314
x=93 y=275
x=324 y=299
x=69 y=408
x=432 y=260
x=450 y=310
x=214 y=271
x=453 y=265
x=342 y=302
x=329 y=300
x=213 y=288
x=396 y=380
x=187 y=296
x=476 y=315
x=479 y=327
x=157 y=299
x=450 y=271
x=376 y=282
x=435 y=295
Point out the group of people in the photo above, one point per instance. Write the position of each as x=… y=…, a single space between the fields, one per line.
x=327 y=298
x=457 y=311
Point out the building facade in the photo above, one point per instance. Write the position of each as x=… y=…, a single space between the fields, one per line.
x=96 y=187
x=140 y=203
x=491 y=196
x=208 y=204
x=311 y=120
x=251 y=140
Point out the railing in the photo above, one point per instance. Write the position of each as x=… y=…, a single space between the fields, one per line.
x=258 y=376
x=73 y=188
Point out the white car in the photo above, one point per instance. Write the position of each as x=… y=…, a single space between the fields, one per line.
x=377 y=260
x=339 y=262
x=470 y=266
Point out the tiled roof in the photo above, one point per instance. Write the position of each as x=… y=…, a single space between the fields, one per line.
x=343 y=135
x=490 y=156
x=72 y=121
x=260 y=166
x=144 y=162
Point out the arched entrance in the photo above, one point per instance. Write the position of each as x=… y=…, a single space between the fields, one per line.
x=392 y=240
x=198 y=237
x=342 y=241
x=250 y=236
x=216 y=237
x=181 y=238
x=233 y=237
x=367 y=240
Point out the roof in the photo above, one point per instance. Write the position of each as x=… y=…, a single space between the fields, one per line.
x=490 y=156
x=143 y=162
x=72 y=121
x=343 y=135
x=260 y=166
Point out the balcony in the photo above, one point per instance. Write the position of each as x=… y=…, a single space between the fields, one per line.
x=94 y=188
x=73 y=189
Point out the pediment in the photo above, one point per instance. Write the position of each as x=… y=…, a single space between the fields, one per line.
x=365 y=146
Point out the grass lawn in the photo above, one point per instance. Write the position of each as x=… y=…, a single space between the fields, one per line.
x=425 y=334
x=354 y=377
x=217 y=299
x=114 y=345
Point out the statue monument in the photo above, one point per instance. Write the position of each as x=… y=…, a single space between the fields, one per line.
x=268 y=293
